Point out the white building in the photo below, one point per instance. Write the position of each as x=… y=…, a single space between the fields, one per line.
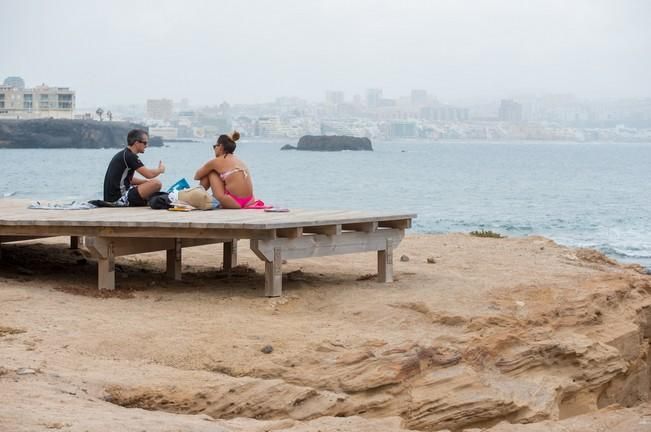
x=167 y=133
x=18 y=102
x=160 y=109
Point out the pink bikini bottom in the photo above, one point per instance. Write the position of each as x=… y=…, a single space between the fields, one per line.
x=242 y=201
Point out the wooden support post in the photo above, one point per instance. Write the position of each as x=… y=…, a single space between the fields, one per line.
x=174 y=261
x=385 y=263
x=273 y=275
x=106 y=269
x=74 y=242
x=230 y=254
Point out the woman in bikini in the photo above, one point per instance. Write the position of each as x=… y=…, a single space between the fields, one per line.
x=226 y=175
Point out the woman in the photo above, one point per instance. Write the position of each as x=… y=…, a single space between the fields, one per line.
x=226 y=175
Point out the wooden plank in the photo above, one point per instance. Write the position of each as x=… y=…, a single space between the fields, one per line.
x=121 y=246
x=273 y=275
x=129 y=246
x=322 y=245
x=18 y=214
x=54 y=231
x=174 y=261
x=192 y=242
x=331 y=230
x=11 y=239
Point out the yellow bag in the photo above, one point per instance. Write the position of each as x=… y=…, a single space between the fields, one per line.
x=197 y=197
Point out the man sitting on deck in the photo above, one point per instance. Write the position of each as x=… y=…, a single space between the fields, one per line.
x=120 y=187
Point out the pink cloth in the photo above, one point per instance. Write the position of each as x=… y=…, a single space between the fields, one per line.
x=257 y=204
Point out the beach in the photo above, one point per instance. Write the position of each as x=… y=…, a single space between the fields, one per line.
x=513 y=334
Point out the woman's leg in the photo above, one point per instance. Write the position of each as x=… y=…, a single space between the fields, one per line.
x=219 y=192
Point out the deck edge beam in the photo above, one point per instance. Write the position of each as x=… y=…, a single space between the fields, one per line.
x=324 y=245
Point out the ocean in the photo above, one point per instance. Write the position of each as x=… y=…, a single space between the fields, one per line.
x=578 y=194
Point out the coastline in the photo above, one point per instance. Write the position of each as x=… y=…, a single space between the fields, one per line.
x=463 y=342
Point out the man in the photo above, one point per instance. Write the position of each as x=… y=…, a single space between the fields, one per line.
x=120 y=186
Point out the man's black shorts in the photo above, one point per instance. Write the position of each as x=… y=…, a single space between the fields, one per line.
x=134 y=198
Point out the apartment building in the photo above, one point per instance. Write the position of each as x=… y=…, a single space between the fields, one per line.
x=18 y=102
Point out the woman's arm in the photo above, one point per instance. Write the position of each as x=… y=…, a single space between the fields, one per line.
x=209 y=166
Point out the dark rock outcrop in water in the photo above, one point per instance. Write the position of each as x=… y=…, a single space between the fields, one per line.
x=331 y=143
x=58 y=133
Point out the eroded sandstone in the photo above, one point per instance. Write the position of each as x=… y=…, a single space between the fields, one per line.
x=501 y=333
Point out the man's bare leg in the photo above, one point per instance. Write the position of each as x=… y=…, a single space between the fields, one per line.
x=148 y=188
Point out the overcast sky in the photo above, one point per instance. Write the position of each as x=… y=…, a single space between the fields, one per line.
x=241 y=51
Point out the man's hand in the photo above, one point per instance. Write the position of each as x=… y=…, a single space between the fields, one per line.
x=161 y=167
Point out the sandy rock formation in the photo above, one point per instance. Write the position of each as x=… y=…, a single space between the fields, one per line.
x=508 y=334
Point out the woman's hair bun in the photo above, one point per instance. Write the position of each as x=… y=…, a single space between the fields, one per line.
x=235 y=135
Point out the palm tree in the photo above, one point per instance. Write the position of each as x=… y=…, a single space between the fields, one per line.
x=99 y=113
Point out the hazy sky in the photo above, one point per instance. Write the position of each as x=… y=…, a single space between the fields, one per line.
x=115 y=51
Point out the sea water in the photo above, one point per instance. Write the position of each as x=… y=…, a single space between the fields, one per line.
x=589 y=194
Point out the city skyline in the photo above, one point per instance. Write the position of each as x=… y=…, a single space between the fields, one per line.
x=255 y=51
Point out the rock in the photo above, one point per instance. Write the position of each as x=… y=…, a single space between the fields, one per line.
x=25 y=371
x=296 y=275
x=431 y=260
x=333 y=143
x=61 y=133
x=288 y=147
x=267 y=349
x=404 y=258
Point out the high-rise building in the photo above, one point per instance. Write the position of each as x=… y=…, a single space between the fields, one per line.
x=160 y=109
x=510 y=111
x=419 y=98
x=444 y=113
x=42 y=101
x=335 y=97
x=373 y=97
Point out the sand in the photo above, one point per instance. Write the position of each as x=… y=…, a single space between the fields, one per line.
x=514 y=334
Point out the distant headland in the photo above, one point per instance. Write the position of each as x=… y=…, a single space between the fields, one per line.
x=331 y=143
x=58 y=133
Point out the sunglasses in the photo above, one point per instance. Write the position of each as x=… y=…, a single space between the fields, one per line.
x=144 y=142
x=214 y=146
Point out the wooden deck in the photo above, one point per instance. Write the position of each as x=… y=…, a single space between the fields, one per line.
x=106 y=233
